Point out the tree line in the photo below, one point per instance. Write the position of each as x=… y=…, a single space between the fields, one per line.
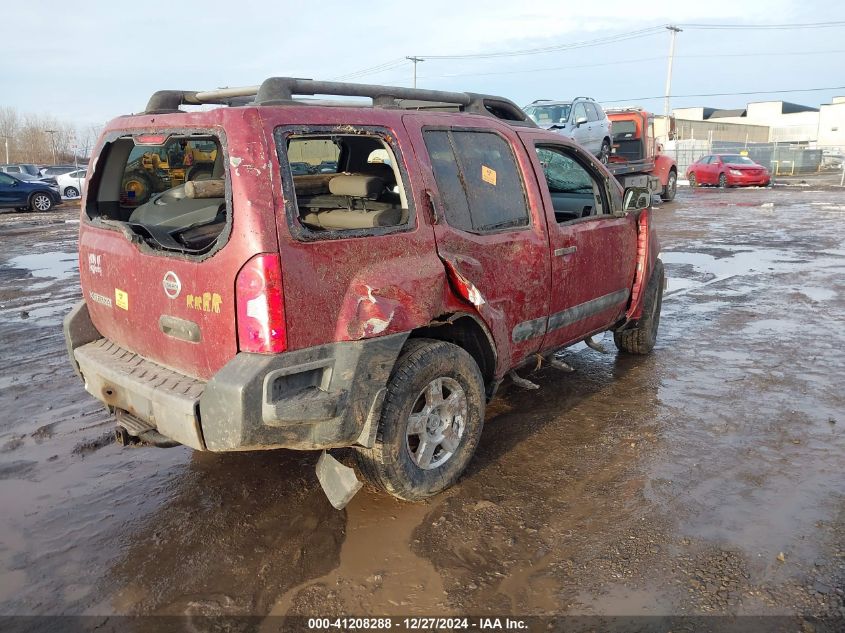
x=43 y=139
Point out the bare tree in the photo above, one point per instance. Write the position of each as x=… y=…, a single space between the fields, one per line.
x=30 y=142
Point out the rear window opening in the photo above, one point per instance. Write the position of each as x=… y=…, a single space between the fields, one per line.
x=169 y=189
x=345 y=182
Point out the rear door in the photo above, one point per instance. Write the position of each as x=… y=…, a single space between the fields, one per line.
x=593 y=251
x=490 y=229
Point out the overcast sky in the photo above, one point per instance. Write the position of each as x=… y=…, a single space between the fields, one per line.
x=86 y=62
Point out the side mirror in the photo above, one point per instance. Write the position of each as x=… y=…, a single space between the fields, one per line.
x=580 y=120
x=636 y=199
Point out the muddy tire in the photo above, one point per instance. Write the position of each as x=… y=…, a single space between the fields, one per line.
x=641 y=338
x=430 y=423
x=723 y=181
x=692 y=181
x=668 y=193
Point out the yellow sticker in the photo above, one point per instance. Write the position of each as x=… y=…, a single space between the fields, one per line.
x=121 y=298
x=207 y=302
x=488 y=175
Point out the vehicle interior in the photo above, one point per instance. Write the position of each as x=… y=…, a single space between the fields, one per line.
x=355 y=183
x=574 y=192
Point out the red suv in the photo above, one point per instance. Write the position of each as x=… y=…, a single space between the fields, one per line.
x=376 y=304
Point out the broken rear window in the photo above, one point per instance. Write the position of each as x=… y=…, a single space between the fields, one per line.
x=168 y=188
x=345 y=182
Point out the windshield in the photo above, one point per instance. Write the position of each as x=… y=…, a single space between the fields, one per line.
x=736 y=159
x=624 y=129
x=557 y=114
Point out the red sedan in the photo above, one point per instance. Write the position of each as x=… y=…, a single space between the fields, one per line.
x=727 y=170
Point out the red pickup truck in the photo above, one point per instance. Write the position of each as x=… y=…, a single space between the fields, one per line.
x=440 y=243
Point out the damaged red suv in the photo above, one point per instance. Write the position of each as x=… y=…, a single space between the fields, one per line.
x=376 y=301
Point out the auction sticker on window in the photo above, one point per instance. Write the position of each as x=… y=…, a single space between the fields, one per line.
x=121 y=298
x=488 y=175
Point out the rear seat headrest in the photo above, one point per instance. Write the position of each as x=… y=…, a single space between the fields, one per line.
x=356 y=186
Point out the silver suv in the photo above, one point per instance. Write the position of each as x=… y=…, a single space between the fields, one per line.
x=581 y=119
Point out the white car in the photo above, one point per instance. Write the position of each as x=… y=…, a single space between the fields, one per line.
x=582 y=119
x=70 y=184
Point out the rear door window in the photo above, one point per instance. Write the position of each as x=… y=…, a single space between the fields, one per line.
x=478 y=179
x=343 y=184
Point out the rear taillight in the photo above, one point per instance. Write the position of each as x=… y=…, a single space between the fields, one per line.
x=261 y=309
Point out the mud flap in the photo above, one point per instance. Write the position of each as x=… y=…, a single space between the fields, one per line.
x=339 y=482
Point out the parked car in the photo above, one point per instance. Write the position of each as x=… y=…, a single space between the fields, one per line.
x=26 y=195
x=378 y=308
x=21 y=168
x=70 y=184
x=327 y=167
x=58 y=170
x=727 y=170
x=582 y=119
x=301 y=169
x=47 y=180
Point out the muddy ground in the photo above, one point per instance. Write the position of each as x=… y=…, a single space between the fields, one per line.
x=708 y=478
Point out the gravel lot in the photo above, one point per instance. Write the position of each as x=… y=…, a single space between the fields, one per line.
x=708 y=478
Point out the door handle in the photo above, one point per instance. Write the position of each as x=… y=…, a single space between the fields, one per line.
x=560 y=252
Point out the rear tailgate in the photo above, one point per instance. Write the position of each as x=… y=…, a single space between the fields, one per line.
x=178 y=313
x=175 y=308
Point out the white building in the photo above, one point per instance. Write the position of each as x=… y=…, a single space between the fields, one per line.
x=787 y=122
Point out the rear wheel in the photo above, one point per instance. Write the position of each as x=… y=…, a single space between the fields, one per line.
x=641 y=338
x=41 y=202
x=71 y=192
x=692 y=180
x=671 y=186
x=723 y=181
x=430 y=423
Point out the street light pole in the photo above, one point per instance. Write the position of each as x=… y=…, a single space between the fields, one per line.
x=52 y=134
x=674 y=30
x=415 y=60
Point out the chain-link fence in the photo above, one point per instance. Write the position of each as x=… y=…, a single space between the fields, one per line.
x=782 y=159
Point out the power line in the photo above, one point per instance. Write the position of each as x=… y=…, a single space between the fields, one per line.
x=764 y=27
x=389 y=65
x=636 y=60
x=611 y=39
x=724 y=94
x=619 y=37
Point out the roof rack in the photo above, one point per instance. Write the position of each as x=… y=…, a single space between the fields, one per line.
x=281 y=90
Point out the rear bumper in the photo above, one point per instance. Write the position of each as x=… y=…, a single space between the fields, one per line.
x=319 y=397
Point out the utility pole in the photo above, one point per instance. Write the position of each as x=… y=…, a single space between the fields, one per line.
x=415 y=60
x=52 y=134
x=674 y=30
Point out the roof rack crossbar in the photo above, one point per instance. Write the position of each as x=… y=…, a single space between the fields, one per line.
x=281 y=91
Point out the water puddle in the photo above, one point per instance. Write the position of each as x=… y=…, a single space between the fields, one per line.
x=55 y=264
